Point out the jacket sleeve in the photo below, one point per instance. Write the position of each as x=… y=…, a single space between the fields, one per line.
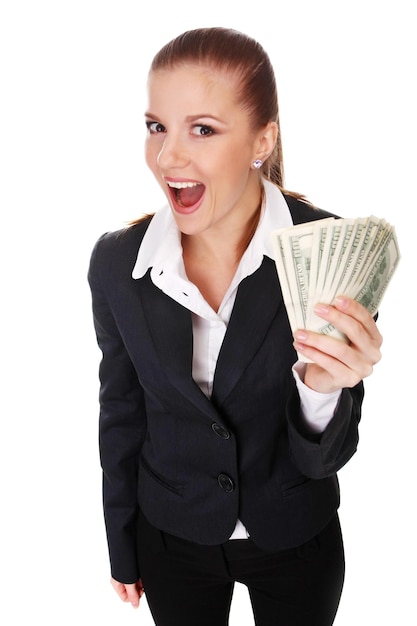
x=122 y=426
x=321 y=455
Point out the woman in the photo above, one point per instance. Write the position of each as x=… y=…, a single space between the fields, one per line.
x=219 y=450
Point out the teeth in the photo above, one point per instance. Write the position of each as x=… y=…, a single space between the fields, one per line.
x=181 y=185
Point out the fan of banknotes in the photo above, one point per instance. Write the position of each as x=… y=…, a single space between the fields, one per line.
x=320 y=260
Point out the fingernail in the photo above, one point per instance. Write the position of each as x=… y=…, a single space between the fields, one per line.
x=300 y=335
x=341 y=302
x=321 y=309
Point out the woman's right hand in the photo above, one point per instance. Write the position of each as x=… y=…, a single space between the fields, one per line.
x=129 y=593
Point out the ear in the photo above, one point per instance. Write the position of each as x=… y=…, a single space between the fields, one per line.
x=265 y=141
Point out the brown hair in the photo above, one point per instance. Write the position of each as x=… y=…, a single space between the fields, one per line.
x=232 y=51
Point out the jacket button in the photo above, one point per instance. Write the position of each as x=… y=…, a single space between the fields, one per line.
x=225 y=482
x=220 y=431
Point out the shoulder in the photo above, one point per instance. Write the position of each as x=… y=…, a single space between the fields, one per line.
x=303 y=211
x=119 y=248
x=123 y=240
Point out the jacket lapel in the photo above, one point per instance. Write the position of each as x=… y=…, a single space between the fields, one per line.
x=257 y=301
x=170 y=325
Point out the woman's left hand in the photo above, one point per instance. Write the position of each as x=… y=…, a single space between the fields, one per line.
x=337 y=364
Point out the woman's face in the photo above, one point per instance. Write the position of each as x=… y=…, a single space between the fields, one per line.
x=200 y=147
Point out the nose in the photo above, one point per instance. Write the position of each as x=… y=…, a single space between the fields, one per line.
x=173 y=153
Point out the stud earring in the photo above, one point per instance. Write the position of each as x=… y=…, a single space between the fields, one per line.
x=257 y=164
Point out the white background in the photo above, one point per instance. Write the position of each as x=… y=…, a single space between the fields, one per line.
x=72 y=84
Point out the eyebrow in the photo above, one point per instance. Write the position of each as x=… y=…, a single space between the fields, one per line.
x=190 y=118
x=193 y=118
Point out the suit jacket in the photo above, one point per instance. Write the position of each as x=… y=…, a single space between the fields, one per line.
x=193 y=465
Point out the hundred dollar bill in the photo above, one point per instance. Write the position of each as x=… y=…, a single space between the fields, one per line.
x=368 y=237
x=297 y=250
x=318 y=256
x=281 y=264
x=372 y=288
x=293 y=254
x=332 y=236
x=350 y=244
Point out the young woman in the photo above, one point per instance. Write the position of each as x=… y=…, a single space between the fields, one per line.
x=219 y=450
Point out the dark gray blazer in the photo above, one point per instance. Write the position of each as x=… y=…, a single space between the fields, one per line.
x=194 y=465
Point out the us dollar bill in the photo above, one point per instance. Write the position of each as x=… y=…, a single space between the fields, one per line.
x=320 y=260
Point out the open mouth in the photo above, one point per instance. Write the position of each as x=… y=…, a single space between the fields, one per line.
x=186 y=194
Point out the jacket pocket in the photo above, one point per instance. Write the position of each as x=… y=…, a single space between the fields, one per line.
x=161 y=480
x=293 y=487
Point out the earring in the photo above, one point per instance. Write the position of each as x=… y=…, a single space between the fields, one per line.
x=257 y=164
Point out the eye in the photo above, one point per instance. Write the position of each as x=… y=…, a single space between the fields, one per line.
x=155 y=127
x=202 y=130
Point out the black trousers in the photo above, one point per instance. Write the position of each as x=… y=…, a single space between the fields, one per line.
x=187 y=584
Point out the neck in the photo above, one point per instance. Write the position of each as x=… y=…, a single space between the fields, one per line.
x=227 y=245
x=251 y=227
